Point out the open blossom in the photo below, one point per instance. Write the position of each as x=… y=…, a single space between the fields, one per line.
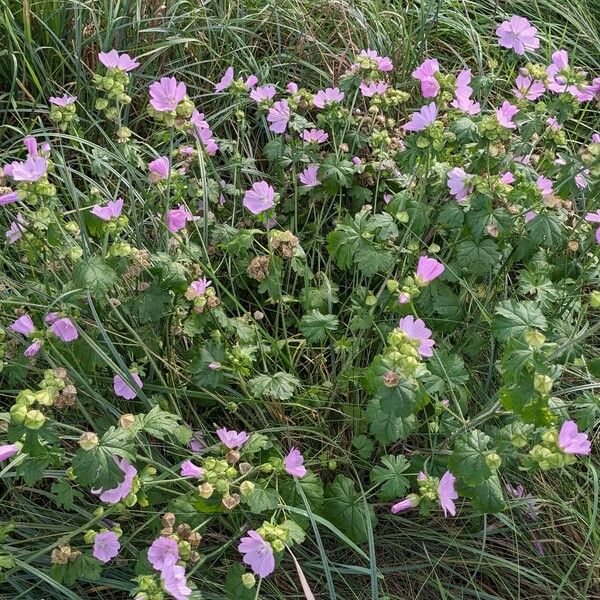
x=557 y=82
x=278 y=116
x=173 y=579
x=463 y=83
x=8 y=451
x=518 y=34
x=258 y=554
x=447 y=493
x=15 y=231
x=166 y=94
x=225 y=81
x=466 y=105
x=123 y=389
x=327 y=96
x=544 y=185
x=316 y=136
x=232 y=439
x=293 y=463
x=308 y=177
x=581 y=179
x=159 y=169
x=260 y=197
x=106 y=546
x=505 y=114
x=162 y=552
x=571 y=441
x=189 y=469
x=411 y=501
x=23 y=325
x=114 y=60
x=528 y=89
x=265 y=92
x=62 y=101
x=112 y=210
x=120 y=492
x=425 y=73
x=31 y=170
x=251 y=81
x=197 y=288
x=462 y=94
x=507 y=178
x=415 y=330
x=553 y=123
x=428 y=269
x=376 y=87
x=177 y=218
x=64 y=329
x=203 y=133
x=384 y=63
x=458 y=183
x=593 y=217
x=422 y=119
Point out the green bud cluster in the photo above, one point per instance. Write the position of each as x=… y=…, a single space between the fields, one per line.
x=177 y=118
x=402 y=353
x=62 y=116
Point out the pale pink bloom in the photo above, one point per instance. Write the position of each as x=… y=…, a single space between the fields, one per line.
x=581 y=179
x=292 y=87
x=51 y=318
x=197 y=120
x=571 y=441
x=403 y=298
x=114 y=60
x=232 y=439
x=387 y=198
x=553 y=123
x=316 y=136
x=557 y=82
x=177 y=218
x=428 y=269
x=593 y=217
x=265 y=92
x=462 y=94
x=166 y=94
x=106 y=546
x=422 y=119
x=258 y=554
x=199 y=286
x=278 y=116
x=596 y=138
x=415 y=330
x=31 y=145
x=518 y=34
x=23 y=325
x=327 y=96
x=458 y=183
x=544 y=185
x=384 y=63
x=447 y=493
x=425 y=73
x=421 y=476
x=204 y=135
x=214 y=366
x=8 y=451
x=9 y=197
x=173 y=579
x=119 y=493
x=31 y=170
x=463 y=83
x=159 y=169
x=64 y=329
x=189 y=469
x=112 y=210
x=524 y=160
x=225 y=81
x=162 y=552
x=308 y=177
x=530 y=215
x=123 y=389
x=356 y=161
x=16 y=229
x=505 y=114
x=598 y=235
x=63 y=101
x=376 y=87
x=251 y=81
x=528 y=89
x=466 y=105
x=293 y=463
x=33 y=348
x=507 y=178
x=260 y=197
x=406 y=504
x=197 y=443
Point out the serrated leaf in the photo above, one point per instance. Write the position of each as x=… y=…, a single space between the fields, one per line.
x=488 y=496
x=280 y=386
x=515 y=318
x=316 y=326
x=387 y=428
x=234 y=587
x=95 y=276
x=65 y=494
x=311 y=486
x=389 y=477
x=477 y=257
x=262 y=499
x=152 y=305
x=202 y=374
x=159 y=423
x=468 y=458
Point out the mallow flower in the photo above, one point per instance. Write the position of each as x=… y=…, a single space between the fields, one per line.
x=166 y=94
x=173 y=580
x=327 y=96
x=30 y=170
x=384 y=63
x=544 y=185
x=23 y=325
x=120 y=492
x=226 y=80
x=458 y=183
x=114 y=60
x=415 y=330
x=518 y=34
x=571 y=441
x=9 y=197
x=106 y=546
x=177 y=218
x=370 y=89
x=447 y=493
x=527 y=88
x=428 y=269
x=422 y=119
x=258 y=554
x=15 y=231
x=278 y=116
x=112 y=210
x=159 y=169
x=264 y=92
x=189 y=469
x=260 y=197
x=314 y=136
x=425 y=73
x=308 y=178
x=123 y=389
x=62 y=101
x=411 y=501
x=232 y=439
x=505 y=114
x=64 y=329
x=8 y=451
x=33 y=348
x=163 y=551
x=293 y=463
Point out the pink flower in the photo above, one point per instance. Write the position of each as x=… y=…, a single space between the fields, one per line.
x=63 y=101
x=279 y=115
x=122 y=490
x=159 y=169
x=544 y=185
x=376 y=87
x=463 y=84
x=251 y=81
x=31 y=145
x=163 y=552
x=581 y=178
x=232 y=439
x=416 y=331
x=557 y=82
x=308 y=177
x=51 y=317
x=425 y=73
x=316 y=136
x=387 y=198
x=466 y=105
x=593 y=217
x=293 y=463
x=106 y=546
x=16 y=229
x=292 y=87
x=166 y=94
x=406 y=504
x=33 y=348
x=505 y=114
x=114 y=60
x=447 y=493
x=204 y=135
x=198 y=287
x=428 y=269
x=112 y=210
x=507 y=178
x=422 y=119
x=225 y=81
x=517 y=34
x=64 y=329
x=570 y=441
x=530 y=215
x=356 y=161
x=595 y=138
x=598 y=235
x=462 y=95
x=528 y=89
x=23 y=325
x=31 y=170
x=189 y=469
x=177 y=218
x=197 y=443
x=384 y=63
x=173 y=579
x=403 y=298
x=265 y=92
x=458 y=183
x=328 y=96
x=258 y=554
x=260 y=197
x=9 y=197
x=553 y=123
x=8 y=451
x=123 y=389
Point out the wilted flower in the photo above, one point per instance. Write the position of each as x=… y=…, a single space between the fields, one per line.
x=232 y=439
x=447 y=493
x=292 y=87
x=528 y=89
x=225 y=81
x=23 y=325
x=114 y=60
x=411 y=501
x=428 y=269
x=458 y=183
x=120 y=492
x=112 y=210
x=63 y=101
x=8 y=451
x=518 y=34
x=505 y=114
x=258 y=554
x=422 y=119
x=415 y=330
x=123 y=389
x=425 y=73
x=571 y=441
x=316 y=136
x=189 y=469
x=308 y=177
x=279 y=115
x=370 y=89
x=162 y=552
x=106 y=546
x=265 y=92
x=581 y=179
x=293 y=463
x=9 y=197
x=15 y=231
x=64 y=329
x=328 y=96
x=197 y=443
x=260 y=197
x=166 y=94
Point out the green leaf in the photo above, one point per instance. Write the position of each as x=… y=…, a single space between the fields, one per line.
x=315 y=326
x=257 y=443
x=546 y=229
x=152 y=305
x=234 y=587
x=389 y=477
x=311 y=486
x=84 y=567
x=335 y=173
x=159 y=423
x=345 y=509
x=488 y=496
x=516 y=318
x=468 y=459
x=446 y=372
x=65 y=494
x=94 y=276
x=262 y=499
x=296 y=532
x=280 y=386
x=202 y=374
x=398 y=400
x=387 y=428
x=364 y=446
x=478 y=258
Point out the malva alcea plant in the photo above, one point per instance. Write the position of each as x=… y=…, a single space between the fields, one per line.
x=347 y=262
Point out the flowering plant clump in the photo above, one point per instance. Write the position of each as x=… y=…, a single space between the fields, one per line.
x=408 y=265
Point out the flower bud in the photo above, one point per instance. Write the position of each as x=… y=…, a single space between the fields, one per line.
x=34 y=419
x=493 y=461
x=392 y=285
x=248 y=580
x=278 y=545
x=595 y=299
x=246 y=488
x=535 y=339
x=206 y=490
x=18 y=413
x=88 y=440
x=542 y=383
x=89 y=536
